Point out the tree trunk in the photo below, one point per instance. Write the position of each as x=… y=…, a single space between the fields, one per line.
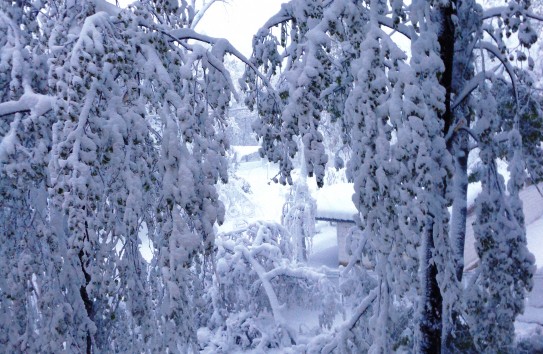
x=431 y=326
x=84 y=294
x=460 y=195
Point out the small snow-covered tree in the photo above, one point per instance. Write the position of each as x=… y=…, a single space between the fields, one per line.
x=298 y=216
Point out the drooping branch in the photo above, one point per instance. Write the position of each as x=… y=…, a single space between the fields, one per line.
x=508 y=67
x=498 y=11
x=182 y=34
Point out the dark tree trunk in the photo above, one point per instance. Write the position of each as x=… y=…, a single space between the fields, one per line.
x=86 y=300
x=446 y=41
x=431 y=327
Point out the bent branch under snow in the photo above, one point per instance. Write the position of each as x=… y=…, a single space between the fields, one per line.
x=29 y=102
x=499 y=11
x=510 y=70
x=182 y=34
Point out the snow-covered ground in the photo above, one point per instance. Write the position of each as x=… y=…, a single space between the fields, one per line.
x=267 y=198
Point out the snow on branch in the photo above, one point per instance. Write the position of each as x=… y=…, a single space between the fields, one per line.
x=508 y=67
x=499 y=11
x=469 y=87
x=35 y=103
x=182 y=34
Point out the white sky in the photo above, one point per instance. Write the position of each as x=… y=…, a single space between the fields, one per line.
x=238 y=20
x=235 y=20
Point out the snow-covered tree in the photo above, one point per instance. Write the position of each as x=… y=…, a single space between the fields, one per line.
x=298 y=216
x=411 y=120
x=111 y=128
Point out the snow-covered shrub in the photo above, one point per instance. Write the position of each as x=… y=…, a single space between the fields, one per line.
x=254 y=277
x=298 y=218
x=236 y=196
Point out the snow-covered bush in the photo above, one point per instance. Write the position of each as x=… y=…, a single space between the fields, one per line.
x=236 y=196
x=254 y=278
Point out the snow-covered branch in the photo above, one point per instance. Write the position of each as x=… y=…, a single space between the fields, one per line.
x=183 y=34
x=351 y=323
x=508 y=67
x=469 y=87
x=201 y=12
x=268 y=288
x=499 y=11
x=35 y=103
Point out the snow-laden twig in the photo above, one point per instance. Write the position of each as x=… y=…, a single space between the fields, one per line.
x=508 y=67
x=34 y=103
x=270 y=293
x=351 y=323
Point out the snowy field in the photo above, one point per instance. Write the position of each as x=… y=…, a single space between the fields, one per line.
x=266 y=201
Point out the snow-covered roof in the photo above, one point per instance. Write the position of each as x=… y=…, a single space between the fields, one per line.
x=243 y=151
x=335 y=202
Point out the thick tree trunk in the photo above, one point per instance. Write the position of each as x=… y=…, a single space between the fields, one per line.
x=431 y=326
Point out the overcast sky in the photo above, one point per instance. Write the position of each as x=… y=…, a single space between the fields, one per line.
x=238 y=20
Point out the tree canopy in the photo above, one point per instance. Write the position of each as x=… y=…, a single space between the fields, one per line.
x=411 y=119
x=112 y=128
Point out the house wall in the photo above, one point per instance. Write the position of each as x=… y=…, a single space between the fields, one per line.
x=342 y=232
